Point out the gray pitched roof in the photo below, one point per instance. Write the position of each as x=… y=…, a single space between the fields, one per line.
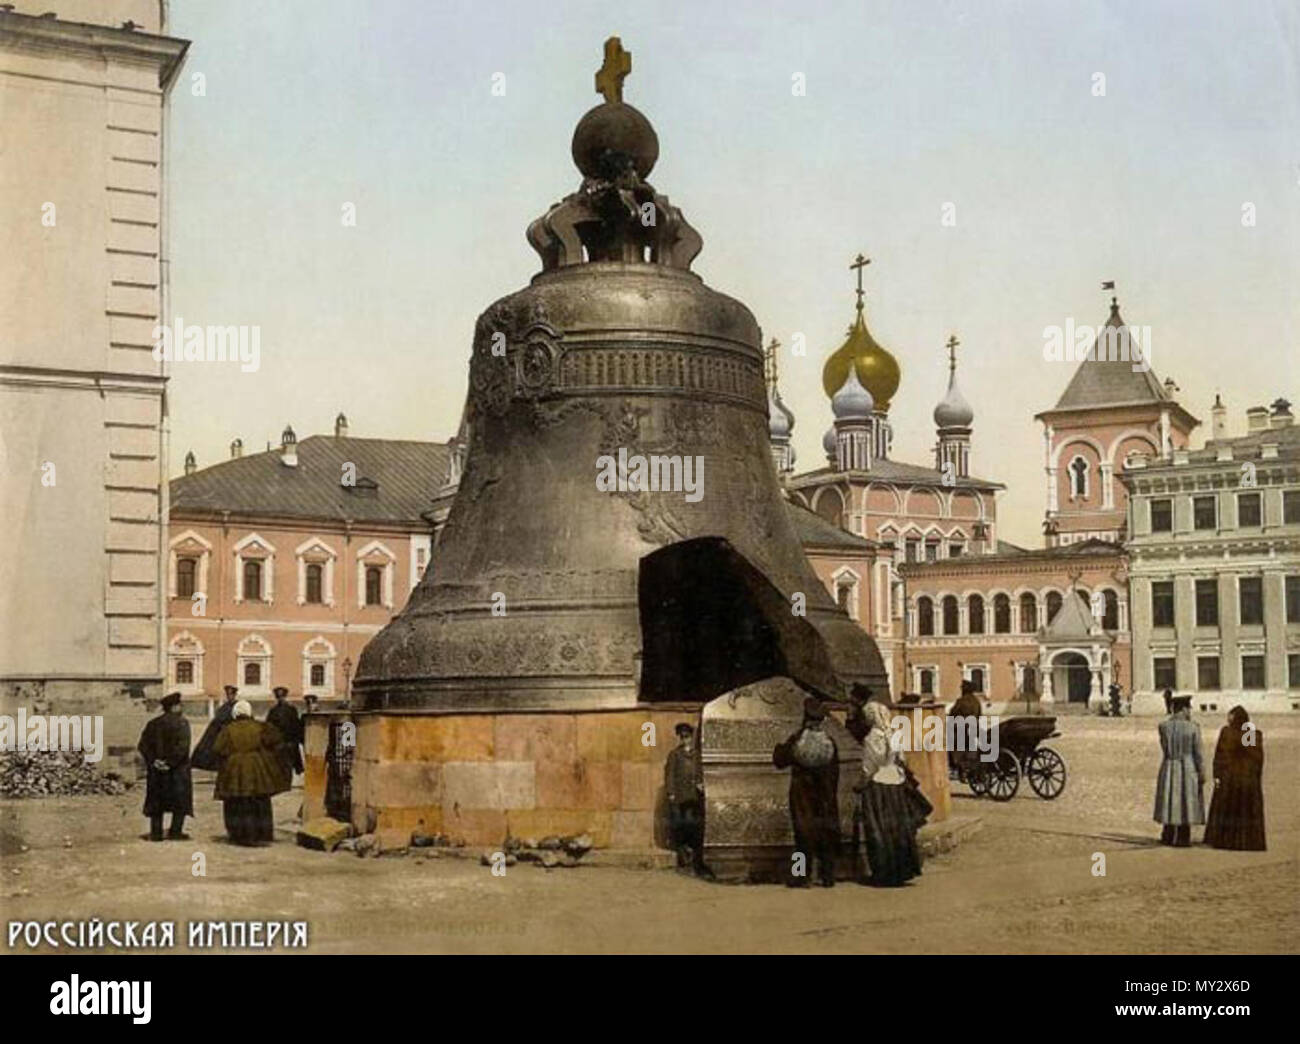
x=897 y=471
x=408 y=475
x=1072 y=621
x=814 y=531
x=1111 y=382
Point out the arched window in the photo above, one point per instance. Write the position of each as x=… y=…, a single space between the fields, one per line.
x=975 y=612
x=924 y=616
x=1028 y=614
x=1053 y=605
x=374 y=584
x=315 y=577
x=950 y=614
x=830 y=505
x=253 y=674
x=1110 y=615
x=1078 y=478
x=186 y=569
x=253 y=580
x=1001 y=614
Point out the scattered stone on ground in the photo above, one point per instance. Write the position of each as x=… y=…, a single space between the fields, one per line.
x=323 y=834
x=40 y=773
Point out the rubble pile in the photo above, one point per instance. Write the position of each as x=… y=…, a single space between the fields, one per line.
x=548 y=853
x=52 y=773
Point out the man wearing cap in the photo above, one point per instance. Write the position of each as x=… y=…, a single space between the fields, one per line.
x=1178 y=786
x=165 y=746
x=286 y=720
x=814 y=764
x=684 y=790
x=204 y=756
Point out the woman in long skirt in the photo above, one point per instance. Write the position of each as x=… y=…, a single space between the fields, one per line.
x=1236 y=817
x=250 y=773
x=888 y=813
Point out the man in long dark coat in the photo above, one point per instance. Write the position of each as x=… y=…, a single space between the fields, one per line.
x=814 y=763
x=204 y=756
x=165 y=746
x=287 y=722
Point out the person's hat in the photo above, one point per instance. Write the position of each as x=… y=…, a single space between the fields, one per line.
x=230 y=689
x=967 y=687
x=170 y=700
x=1181 y=702
x=812 y=708
x=684 y=729
x=859 y=693
x=280 y=690
x=243 y=709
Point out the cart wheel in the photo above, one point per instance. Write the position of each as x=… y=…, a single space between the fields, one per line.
x=977 y=779
x=1046 y=772
x=1004 y=777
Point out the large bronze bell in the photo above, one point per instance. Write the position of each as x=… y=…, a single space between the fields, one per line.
x=531 y=600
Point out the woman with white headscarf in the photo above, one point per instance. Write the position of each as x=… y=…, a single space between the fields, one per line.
x=887 y=809
x=250 y=773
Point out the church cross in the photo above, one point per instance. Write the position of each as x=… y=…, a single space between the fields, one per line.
x=952 y=353
x=609 y=77
x=860 y=263
x=770 y=360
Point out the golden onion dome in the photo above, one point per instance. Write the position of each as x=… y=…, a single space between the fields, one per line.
x=878 y=371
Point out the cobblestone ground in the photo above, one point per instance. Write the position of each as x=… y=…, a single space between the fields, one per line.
x=1024 y=883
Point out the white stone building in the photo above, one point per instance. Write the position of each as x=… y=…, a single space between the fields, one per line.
x=1214 y=566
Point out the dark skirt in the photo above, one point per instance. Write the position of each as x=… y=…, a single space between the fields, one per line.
x=1236 y=818
x=248 y=820
x=889 y=823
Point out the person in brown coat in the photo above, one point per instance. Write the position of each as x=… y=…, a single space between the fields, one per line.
x=814 y=764
x=251 y=772
x=1236 y=817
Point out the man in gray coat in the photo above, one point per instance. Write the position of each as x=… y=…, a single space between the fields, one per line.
x=1182 y=775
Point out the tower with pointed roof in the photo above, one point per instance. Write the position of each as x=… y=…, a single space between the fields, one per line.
x=952 y=419
x=1113 y=408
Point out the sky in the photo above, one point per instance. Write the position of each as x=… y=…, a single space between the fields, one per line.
x=1175 y=173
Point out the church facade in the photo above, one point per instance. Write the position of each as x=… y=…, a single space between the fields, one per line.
x=1060 y=624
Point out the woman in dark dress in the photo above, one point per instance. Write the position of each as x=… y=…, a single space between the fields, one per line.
x=889 y=813
x=1236 y=817
x=251 y=772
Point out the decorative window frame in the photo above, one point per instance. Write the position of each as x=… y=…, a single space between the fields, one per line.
x=1087 y=477
x=966 y=669
x=188 y=545
x=375 y=553
x=253 y=648
x=320 y=650
x=257 y=543
x=844 y=576
x=185 y=646
x=933 y=668
x=314 y=551
x=420 y=542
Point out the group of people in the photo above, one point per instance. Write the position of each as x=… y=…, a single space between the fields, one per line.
x=254 y=760
x=889 y=807
x=1236 y=817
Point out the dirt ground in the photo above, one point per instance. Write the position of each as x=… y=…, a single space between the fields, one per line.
x=1023 y=883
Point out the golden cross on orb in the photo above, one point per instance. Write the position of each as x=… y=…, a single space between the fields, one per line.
x=952 y=352
x=609 y=77
x=860 y=263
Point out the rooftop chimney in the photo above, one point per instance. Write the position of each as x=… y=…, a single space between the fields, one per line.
x=190 y=465
x=1218 y=419
x=236 y=449
x=288 y=448
x=1257 y=418
x=341 y=426
x=1281 y=416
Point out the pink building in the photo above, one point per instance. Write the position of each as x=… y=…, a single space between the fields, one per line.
x=283 y=564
